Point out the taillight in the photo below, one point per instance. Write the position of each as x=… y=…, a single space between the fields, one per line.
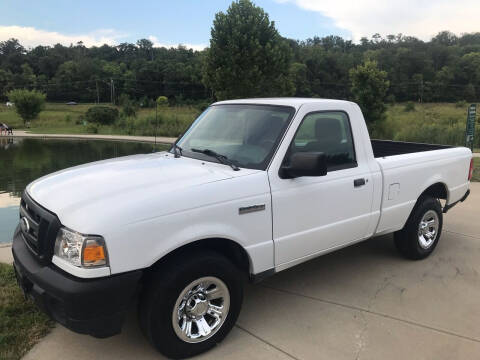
x=470 y=172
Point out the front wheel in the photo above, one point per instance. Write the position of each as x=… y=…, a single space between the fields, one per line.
x=421 y=233
x=191 y=304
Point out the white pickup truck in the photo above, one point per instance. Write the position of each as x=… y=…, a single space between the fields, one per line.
x=253 y=187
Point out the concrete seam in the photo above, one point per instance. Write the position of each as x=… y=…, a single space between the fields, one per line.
x=351 y=307
x=266 y=342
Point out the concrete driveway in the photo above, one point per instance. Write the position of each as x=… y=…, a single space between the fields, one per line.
x=363 y=302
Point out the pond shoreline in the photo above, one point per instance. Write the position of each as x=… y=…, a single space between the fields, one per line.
x=146 y=139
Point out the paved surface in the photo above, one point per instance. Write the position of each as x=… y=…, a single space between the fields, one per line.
x=6 y=254
x=363 y=302
x=151 y=139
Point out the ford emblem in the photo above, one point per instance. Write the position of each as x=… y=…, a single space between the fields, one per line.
x=24 y=225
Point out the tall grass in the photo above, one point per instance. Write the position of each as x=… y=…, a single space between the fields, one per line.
x=439 y=123
x=61 y=118
x=436 y=123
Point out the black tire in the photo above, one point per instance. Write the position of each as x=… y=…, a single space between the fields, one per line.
x=407 y=240
x=164 y=287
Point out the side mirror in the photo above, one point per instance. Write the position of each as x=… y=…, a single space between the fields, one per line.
x=305 y=164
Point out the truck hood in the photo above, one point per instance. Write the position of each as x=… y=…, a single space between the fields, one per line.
x=100 y=189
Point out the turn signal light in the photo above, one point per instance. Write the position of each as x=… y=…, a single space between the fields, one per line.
x=93 y=253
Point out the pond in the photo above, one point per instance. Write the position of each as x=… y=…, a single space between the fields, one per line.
x=23 y=160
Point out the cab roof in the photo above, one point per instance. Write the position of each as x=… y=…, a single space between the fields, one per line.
x=286 y=101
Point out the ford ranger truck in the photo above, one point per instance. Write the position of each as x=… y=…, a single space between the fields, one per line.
x=252 y=188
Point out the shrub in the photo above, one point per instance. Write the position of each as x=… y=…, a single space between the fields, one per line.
x=203 y=105
x=162 y=101
x=28 y=103
x=390 y=99
x=93 y=129
x=103 y=115
x=409 y=106
x=146 y=102
x=461 y=104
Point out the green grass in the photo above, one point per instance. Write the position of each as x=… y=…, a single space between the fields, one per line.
x=476 y=169
x=441 y=123
x=68 y=119
x=22 y=325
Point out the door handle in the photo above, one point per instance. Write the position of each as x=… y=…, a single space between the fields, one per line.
x=358 y=182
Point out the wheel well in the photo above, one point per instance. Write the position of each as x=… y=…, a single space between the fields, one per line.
x=437 y=191
x=228 y=248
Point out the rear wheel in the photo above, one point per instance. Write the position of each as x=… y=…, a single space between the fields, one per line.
x=421 y=233
x=191 y=304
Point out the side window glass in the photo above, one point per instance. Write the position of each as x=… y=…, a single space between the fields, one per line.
x=330 y=133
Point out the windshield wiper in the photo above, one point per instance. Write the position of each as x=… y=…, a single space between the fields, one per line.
x=222 y=158
x=177 y=150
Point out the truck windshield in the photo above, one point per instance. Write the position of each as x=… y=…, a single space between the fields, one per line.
x=247 y=135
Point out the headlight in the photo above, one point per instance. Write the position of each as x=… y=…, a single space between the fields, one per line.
x=81 y=250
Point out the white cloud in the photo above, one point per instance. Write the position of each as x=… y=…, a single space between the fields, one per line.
x=157 y=43
x=420 y=18
x=31 y=37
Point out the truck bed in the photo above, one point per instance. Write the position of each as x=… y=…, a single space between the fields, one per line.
x=384 y=148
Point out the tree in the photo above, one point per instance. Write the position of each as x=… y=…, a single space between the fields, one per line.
x=247 y=56
x=369 y=89
x=28 y=103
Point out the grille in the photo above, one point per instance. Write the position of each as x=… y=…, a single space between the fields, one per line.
x=40 y=235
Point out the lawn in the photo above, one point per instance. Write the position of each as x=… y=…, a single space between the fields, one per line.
x=70 y=119
x=22 y=325
x=441 y=123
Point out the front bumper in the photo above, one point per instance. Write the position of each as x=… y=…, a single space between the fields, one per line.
x=88 y=306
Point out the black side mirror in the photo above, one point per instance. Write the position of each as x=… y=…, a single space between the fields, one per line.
x=305 y=164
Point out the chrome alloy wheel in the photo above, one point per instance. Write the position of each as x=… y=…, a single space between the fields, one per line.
x=428 y=229
x=201 y=309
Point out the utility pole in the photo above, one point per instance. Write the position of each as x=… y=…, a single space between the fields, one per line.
x=421 y=91
x=98 y=95
x=112 y=92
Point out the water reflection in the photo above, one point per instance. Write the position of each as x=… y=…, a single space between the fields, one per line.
x=24 y=160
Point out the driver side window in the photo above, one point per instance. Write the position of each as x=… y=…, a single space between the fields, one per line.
x=329 y=133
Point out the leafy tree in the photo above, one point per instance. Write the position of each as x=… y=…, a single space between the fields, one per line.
x=369 y=89
x=247 y=55
x=28 y=103
x=129 y=106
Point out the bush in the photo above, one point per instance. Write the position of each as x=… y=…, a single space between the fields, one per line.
x=92 y=129
x=146 y=102
x=409 y=106
x=461 y=104
x=390 y=99
x=103 y=115
x=28 y=103
x=162 y=101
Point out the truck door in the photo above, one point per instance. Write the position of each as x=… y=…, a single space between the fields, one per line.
x=312 y=215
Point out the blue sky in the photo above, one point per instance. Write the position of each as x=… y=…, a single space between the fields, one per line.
x=189 y=21
x=170 y=22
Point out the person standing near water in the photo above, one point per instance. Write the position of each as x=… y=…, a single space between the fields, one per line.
x=4 y=127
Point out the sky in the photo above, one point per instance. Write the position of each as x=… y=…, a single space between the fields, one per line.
x=188 y=22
